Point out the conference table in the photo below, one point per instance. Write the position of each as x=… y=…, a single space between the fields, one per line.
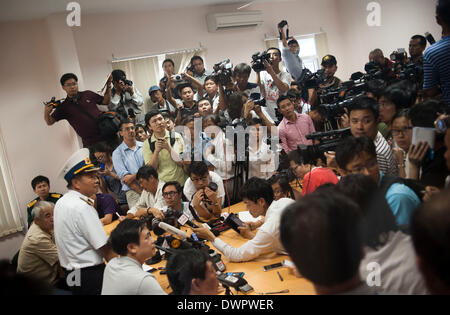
x=263 y=282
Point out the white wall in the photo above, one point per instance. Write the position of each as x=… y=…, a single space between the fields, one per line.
x=141 y=33
x=36 y=53
x=400 y=20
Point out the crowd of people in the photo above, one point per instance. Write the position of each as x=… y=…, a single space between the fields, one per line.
x=379 y=195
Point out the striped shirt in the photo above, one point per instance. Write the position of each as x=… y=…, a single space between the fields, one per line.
x=385 y=156
x=436 y=64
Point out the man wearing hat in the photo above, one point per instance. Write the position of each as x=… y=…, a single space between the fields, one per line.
x=329 y=65
x=79 y=235
x=161 y=103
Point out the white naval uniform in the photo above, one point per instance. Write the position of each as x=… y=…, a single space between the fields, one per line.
x=79 y=234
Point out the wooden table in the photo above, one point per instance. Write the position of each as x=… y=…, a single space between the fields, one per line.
x=261 y=281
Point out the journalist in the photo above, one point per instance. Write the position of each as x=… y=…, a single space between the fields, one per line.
x=273 y=82
x=126 y=100
x=258 y=197
x=79 y=109
x=290 y=55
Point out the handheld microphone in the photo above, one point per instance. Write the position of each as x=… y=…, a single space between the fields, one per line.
x=183 y=219
x=173 y=230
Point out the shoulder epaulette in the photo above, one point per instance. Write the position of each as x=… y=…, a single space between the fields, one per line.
x=88 y=201
x=55 y=195
x=31 y=204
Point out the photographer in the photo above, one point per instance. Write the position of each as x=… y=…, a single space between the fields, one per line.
x=161 y=104
x=198 y=69
x=126 y=100
x=241 y=73
x=273 y=82
x=169 y=70
x=417 y=46
x=436 y=63
x=329 y=68
x=211 y=89
x=198 y=189
x=290 y=54
x=79 y=109
x=162 y=149
x=377 y=60
x=187 y=107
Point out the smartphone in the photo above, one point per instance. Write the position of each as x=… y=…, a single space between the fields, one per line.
x=273 y=266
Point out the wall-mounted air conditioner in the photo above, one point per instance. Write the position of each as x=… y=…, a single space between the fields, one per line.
x=221 y=21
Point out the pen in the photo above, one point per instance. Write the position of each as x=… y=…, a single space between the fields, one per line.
x=281 y=278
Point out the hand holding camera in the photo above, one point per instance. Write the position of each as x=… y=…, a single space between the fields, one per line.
x=281 y=26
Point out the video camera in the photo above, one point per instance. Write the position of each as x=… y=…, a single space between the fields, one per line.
x=329 y=141
x=223 y=71
x=311 y=80
x=258 y=61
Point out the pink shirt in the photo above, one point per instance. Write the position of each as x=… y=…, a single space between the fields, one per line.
x=294 y=133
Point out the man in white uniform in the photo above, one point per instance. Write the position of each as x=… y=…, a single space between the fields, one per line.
x=80 y=238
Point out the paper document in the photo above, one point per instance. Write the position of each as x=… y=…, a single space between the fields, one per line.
x=245 y=216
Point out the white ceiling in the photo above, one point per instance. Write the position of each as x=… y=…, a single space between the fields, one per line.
x=12 y=10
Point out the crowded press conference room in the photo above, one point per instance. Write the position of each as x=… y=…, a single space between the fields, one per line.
x=227 y=148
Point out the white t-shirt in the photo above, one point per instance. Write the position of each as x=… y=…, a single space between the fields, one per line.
x=271 y=90
x=79 y=234
x=189 y=189
x=148 y=200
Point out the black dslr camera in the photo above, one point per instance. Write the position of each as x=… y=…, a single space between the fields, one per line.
x=213 y=186
x=53 y=102
x=170 y=217
x=258 y=61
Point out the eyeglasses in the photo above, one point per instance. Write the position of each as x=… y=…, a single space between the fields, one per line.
x=170 y=194
x=70 y=84
x=396 y=132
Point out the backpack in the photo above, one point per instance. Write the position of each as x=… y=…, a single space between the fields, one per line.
x=152 y=144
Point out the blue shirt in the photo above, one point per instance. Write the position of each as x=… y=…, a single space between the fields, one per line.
x=402 y=200
x=127 y=161
x=436 y=66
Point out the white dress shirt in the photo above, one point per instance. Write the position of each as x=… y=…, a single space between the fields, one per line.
x=125 y=276
x=266 y=240
x=79 y=234
x=148 y=200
